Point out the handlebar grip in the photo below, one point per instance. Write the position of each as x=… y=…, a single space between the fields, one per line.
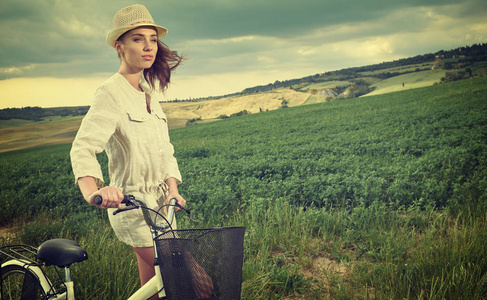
x=126 y=199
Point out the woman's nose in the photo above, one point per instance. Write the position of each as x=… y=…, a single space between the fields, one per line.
x=148 y=45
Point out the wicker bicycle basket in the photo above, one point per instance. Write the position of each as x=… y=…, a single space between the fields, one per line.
x=202 y=263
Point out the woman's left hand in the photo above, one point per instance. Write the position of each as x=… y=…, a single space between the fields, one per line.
x=178 y=197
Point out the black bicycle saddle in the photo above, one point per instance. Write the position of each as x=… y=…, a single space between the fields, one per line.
x=61 y=252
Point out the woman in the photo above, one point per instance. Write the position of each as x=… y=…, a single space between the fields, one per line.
x=128 y=123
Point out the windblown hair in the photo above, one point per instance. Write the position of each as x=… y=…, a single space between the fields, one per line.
x=160 y=72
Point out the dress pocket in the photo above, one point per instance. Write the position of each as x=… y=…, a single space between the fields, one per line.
x=141 y=126
x=161 y=116
x=137 y=117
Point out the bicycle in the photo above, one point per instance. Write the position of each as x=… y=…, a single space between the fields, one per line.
x=196 y=263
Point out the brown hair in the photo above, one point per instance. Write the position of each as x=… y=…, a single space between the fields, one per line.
x=166 y=61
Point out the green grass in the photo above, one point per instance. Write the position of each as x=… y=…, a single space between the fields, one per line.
x=410 y=80
x=381 y=197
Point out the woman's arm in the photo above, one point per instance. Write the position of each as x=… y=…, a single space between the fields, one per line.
x=97 y=127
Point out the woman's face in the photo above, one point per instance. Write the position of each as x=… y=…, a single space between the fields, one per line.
x=137 y=49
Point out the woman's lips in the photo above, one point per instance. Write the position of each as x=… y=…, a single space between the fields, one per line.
x=147 y=57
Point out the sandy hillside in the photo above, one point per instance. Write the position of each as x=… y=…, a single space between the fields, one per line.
x=212 y=109
x=21 y=137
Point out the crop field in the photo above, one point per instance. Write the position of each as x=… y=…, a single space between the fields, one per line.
x=380 y=197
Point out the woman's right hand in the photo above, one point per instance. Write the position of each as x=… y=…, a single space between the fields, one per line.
x=112 y=197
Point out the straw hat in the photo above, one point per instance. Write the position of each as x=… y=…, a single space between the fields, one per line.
x=131 y=17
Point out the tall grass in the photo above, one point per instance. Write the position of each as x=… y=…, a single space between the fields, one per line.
x=388 y=254
x=447 y=261
x=383 y=253
x=111 y=271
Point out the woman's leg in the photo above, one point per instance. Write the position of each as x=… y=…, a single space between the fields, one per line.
x=145 y=261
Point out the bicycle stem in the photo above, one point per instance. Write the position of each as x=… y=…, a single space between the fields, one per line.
x=170 y=210
x=148 y=219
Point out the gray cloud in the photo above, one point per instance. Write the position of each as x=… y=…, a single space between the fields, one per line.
x=280 y=18
x=36 y=32
x=67 y=38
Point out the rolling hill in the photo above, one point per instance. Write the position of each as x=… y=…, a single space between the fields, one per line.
x=57 y=127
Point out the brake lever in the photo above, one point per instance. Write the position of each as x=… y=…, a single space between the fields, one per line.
x=125 y=209
x=182 y=208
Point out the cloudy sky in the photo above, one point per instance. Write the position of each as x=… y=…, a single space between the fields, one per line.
x=53 y=52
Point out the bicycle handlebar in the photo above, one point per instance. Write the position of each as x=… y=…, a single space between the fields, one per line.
x=133 y=203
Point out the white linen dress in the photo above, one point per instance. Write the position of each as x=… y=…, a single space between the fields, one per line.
x=139 y=151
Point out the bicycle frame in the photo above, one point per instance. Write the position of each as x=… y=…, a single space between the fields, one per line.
x=152 y=287
x=155 y=284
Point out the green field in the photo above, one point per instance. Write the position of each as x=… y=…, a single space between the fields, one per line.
x=407 y=81
x=380 y=197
